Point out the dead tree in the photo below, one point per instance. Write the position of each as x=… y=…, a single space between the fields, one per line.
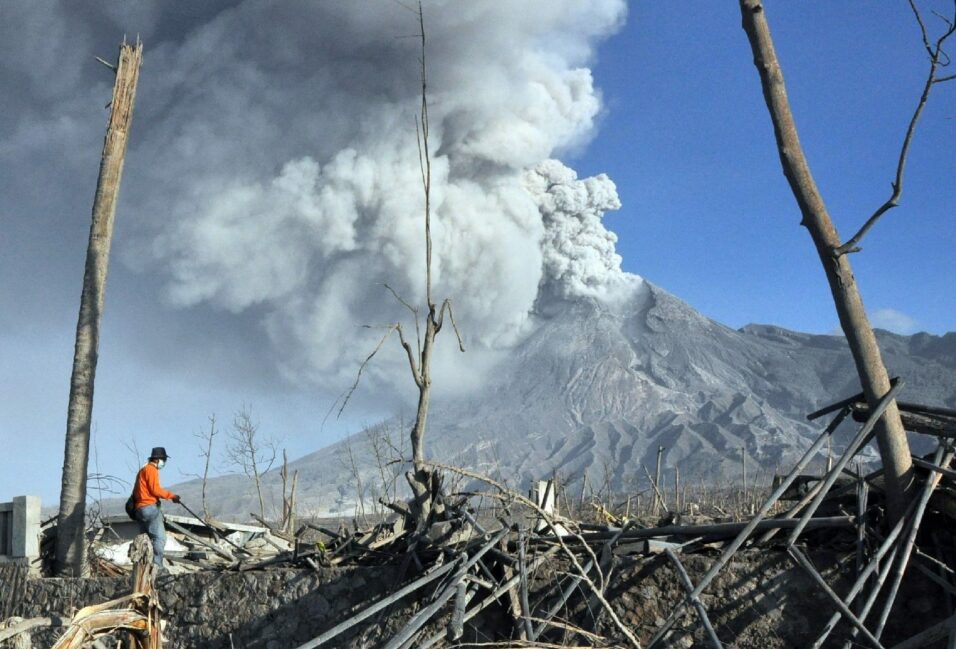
x=70 y=551
x=250 y=452
x=206 y=437
x=894 y=448
x=425 y=483
x=287 y=524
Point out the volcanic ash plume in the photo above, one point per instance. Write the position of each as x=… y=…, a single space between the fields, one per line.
x=290 y=188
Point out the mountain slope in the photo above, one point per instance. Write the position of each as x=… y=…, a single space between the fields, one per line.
x=600 y=385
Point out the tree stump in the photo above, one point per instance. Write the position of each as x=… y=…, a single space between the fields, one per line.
x=144 y=574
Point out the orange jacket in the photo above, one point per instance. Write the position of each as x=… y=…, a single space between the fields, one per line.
x=147 y=490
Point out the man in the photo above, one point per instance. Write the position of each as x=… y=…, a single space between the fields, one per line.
x=147 y=493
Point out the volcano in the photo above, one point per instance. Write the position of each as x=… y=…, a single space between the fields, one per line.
x=599 y=385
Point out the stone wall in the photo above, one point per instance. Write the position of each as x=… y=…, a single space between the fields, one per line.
x=271 y=609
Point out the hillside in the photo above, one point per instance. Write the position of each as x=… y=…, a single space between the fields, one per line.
x=598 y=387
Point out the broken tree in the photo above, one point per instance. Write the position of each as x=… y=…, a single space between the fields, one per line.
x=70 y=554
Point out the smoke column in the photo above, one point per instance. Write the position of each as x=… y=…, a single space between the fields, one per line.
x=274 y=174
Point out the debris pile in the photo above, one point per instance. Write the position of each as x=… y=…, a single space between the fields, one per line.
x=521 y=574
x=495 y=565
x=193 y=544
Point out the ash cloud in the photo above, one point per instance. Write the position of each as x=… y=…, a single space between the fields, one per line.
x=273 y=171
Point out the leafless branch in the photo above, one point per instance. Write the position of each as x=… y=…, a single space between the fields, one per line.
x=942 y=17
x=922 y=28
x=937 y=58
x=451 y=314
x=401 y=300
x=412 y=364
x=352 y=467
x=205 y=449
x=414 y=310
x=425 y=162
x=248 y=450
x=358 y=375
x=406 y=8
x=133 y=448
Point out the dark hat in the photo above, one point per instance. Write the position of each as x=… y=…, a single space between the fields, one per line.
x=159 y=453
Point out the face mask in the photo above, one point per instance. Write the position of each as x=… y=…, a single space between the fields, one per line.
x=160 y=464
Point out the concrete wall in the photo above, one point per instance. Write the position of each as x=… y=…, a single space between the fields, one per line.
x=274 y=609
x=20 y=530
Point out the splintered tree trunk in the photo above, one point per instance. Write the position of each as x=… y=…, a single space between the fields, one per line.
x=894 y=448
x=70 y=544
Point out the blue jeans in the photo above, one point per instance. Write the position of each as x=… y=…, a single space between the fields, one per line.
x=151 y=522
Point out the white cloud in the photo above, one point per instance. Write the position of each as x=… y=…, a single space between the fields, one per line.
x=893 y=320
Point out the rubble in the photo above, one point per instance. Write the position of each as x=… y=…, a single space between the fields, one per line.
x=522 y=574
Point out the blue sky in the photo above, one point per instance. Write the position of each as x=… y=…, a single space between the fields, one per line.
x=707 y=213
x=682 y=131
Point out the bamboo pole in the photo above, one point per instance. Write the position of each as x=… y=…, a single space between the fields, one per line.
x=375 y=608
x=888 y=544
x=804 y=563
x=745 y=533
x=418 y=620
x=657 y=477
x=493 y=597
x=942 y=459
x=861 y=437
x=699 y=605
x=715 y=530
x=523 y=589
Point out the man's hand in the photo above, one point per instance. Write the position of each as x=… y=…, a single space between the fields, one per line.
x=176 y=498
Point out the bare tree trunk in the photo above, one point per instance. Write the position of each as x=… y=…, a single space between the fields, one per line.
x=424 y=394
x=894 y=448
x=423 y=481
x=207 y=454
x=425 y=484
x=70 y=544
x=262 y=504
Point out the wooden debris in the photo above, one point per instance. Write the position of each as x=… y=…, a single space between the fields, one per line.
x=137 y=613
x=467 y=563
